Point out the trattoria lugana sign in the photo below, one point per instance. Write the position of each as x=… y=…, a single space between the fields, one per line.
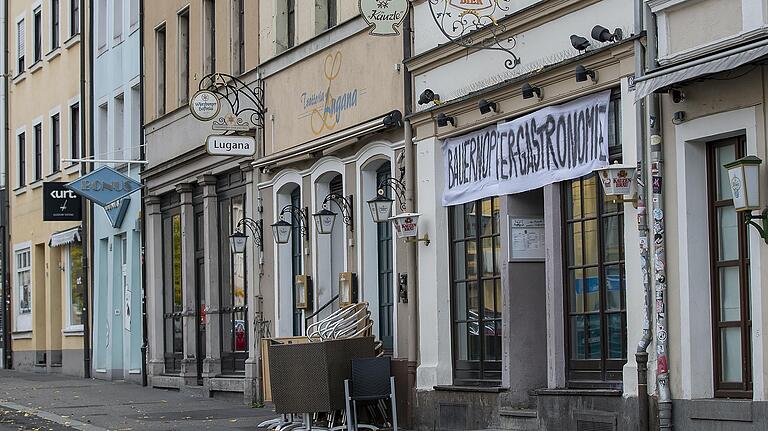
x=553 y=144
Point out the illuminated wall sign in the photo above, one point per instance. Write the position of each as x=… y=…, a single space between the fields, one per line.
x=220 y=145
x=383 y=16
x=61 y=204
x=104 y=186
x=204 y=105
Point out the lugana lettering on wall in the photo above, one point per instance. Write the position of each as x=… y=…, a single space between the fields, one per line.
x=553 y=144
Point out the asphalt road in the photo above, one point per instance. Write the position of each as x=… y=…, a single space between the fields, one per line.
x=14 y=420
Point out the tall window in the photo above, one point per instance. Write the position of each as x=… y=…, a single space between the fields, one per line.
x=134 y=14
x=595 y=280
x=21 y=143
x=386 y=271
x=238 y=36
x=160 y=54
x=209 y=37
x=102 y=24
x=173 y=304
x=729 y=252
x=234 y=289
x=290 y=12
x=135 y=123
x=38 y=152
x=476 y=292
x=183 y=58
x=55 y=143
x=332 y=13
x=297 y=262
x=74 y=17
x=73 y=266
x=117 y=20
x=24 y=280
x=118 y=132
x=21 y=47
x=54 y=24
x=102 y=148
x=74 y=131
x=37 y=51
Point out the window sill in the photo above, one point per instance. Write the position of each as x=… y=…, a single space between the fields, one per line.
x=36 y=66
x=72 y=169
x=53 y=54
x=117 y=41
x=36 y=184
x=581 y=392
x=73 y=331
x=20 y=190
x=718 y=409
x=73 y=40
x=20 y=77
x=486 y=389
x=102 y=49
x=53 y=176
x=21 y=335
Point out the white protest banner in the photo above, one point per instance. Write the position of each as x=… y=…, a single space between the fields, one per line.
x=553 y=144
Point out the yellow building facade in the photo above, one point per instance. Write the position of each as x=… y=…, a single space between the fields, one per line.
x=45 y=122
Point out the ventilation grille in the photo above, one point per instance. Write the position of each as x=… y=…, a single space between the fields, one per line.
x=582 y=425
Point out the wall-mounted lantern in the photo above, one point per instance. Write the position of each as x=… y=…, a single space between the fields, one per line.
x=303 y=292
x=618 y=181
x=744 y=177
x=282 y=229
x=239 y=239
x=325 y=218
x=407 y=227
x=381 y=206
x=347 y=288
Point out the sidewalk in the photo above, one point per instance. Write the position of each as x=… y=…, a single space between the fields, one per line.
x=96 y=405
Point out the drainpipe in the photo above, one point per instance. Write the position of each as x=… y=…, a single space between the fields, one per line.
x=142 y=156
x=411 y=248
x=641 y=354
x=86 y=88
x=8 y=359
x=659 y=239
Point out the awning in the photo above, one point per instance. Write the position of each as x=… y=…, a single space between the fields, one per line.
x=719 y=62
x=69 y=236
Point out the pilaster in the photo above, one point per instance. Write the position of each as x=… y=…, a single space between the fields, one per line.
x=189 y=327
x=154 y=286
x=212 y=361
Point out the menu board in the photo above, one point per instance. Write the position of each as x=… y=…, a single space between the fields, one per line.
x=526 y=239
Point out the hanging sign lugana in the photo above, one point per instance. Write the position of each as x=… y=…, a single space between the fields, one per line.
x=553 y=144
x=204 y=105
x=231 y=145
x=383 y=16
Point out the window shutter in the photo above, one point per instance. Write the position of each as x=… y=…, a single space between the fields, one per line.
x=20 y=36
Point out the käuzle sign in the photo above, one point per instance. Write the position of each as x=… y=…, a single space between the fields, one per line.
x=553 y=144
x=383 y=16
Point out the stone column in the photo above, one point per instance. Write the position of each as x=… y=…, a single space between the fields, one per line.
x=212 y=361
x=189 y=363
x=154 y=286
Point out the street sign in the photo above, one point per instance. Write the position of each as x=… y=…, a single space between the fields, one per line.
x=204 y=105
x=232 y=145
x=61 y=204
x=104 y=186
x=116 y=211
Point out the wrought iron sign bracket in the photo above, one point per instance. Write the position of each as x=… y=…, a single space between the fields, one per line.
x=397 y=187
x=246 y=103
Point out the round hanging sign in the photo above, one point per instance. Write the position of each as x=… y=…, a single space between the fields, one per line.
x=204 y=105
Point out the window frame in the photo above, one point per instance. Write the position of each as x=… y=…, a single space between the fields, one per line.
x=290 y=23
x=37 y=150
x=55 y=20
x=21 y=44
x=75 y=135
x=209 y=36
x=102 y=26
x=18 y=269
x=67 y=269
x=332 y=13
x=743 y=389
x=117 y=21
x=161 y=69
x=183 y=56
x=74 y=18
x=238 y=36
x=55 y=140
x=610 y=369
x=385 y=240
x=21 y=158
x=37 y=34
x=485 y=366
x=172 y=359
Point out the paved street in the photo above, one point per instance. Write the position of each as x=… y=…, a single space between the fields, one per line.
x=58 y=403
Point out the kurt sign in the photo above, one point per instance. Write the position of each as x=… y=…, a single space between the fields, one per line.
x=383 y=16
x=60 y=204
x=104 y=186
x=553 y=144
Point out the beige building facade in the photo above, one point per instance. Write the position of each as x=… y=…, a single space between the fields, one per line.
x=47 y=279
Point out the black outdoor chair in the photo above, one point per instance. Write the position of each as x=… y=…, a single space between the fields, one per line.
x=372 y=380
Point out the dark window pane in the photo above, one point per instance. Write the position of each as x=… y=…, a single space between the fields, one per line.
x=594 y=341
x=493 y=341
x=460 y=301
x=614 y=286
x=615 y=336
x=592 y=283
x=612 y=239
x=459 y=261
x=473 y=297
x=457 y=215
x=488 y=260
x=471 y=247
x=576 y=290
x=590 y=196
x=730 y=359
x=591 y=242
x=578 y=345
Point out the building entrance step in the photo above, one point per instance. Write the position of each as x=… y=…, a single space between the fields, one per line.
x=518 y=419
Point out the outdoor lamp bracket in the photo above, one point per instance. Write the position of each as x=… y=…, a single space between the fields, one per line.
x=299 y=214
x=763 y=217
x=398 y=189
x=244 y=101
x=744 y=179
x=255 y=226
x=345 y=205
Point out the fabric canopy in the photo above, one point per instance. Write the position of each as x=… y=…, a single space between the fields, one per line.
x=66 y=237
x=719 y=62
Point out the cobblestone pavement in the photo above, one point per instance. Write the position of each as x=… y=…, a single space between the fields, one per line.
x=62 y=403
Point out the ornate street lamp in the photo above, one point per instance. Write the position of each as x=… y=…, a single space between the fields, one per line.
x=325 y=218
x=381 y=205
x=744 y=176
x=282 y=229
x=238 y=239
